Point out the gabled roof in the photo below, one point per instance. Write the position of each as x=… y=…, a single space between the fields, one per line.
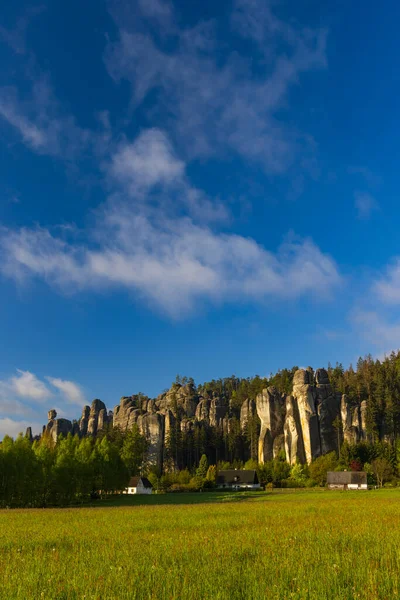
x=237 y=476
x=134 y=481
x=346 y=477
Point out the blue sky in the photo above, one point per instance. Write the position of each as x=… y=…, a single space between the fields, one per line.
x=198 y=188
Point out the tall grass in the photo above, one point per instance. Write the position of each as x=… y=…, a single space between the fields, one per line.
x=330 y=545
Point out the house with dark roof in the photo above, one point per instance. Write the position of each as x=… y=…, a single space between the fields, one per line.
x=138 y=485
x=238 y=479
x=347 y=480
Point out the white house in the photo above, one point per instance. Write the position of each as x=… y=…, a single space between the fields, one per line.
x=347 y=480
x=139 y=485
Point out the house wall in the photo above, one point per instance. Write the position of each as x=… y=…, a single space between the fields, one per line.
x=241 y=486
x=349 y=486
x=140 y=489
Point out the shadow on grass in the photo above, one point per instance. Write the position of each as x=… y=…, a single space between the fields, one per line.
x=178 y=498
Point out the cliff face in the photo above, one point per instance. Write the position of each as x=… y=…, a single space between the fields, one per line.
x=313 y=420
x=270 y=409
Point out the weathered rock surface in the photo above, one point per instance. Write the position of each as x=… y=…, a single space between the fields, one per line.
x=328 y=405
x=363 y=419
x=293 y=435
x=151 y=425
x=217 y=412
x=305 y=394
x=271 y=411
x=84 y=420
x=203 y=410
x=247 y=412
x=96 y=407
x=57 y=427
x=351 y=421
x=126 y=413
x=179 y=399
x=51 y=415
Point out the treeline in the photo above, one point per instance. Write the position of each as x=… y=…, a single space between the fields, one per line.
x=45 y=473
x=75 y=470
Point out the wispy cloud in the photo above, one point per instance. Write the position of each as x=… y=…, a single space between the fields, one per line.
x=164 y=250
x=157 y=234
x=71 y=391
x=147 y=162
x=12 y=427
x=365 y=204
x=23 y=396
x=172 y=262
x=194 y=86
x=379 y=329
x=387 y=286
x=27 y=385
x=15 y=37
x=149 y=172
x=41 y=123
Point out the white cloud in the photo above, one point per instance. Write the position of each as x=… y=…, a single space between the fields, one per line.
x=171 y=261
x=22 y=397
x=41 y=123
x=380 y=330
x=12 y=427
x=148 y=162
x=11 y=406
x=148 y=166
x=27 y=385
x=157 y=10
x=15 y=38
x=387 y=287
x=216 y=105
x=365 y=204
x=70 y=390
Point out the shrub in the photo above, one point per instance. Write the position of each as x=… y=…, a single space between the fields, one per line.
x=183 y=487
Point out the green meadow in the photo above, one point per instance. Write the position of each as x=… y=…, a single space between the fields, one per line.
x=303 y=545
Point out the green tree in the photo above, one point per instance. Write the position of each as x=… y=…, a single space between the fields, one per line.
x=319 y=468
x=203 y=467
x=382 y=470
x=133 y=452
x=212 y=474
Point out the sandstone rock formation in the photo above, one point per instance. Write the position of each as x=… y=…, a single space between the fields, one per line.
x=96 y=408
x=311 y=421
x=84 y=420
x=247 y=412
x=293 y=435
x=271 y=411
x=328 y=405
x=203 y=410
x=217 y=412
x=351 y=421
x=56 y=427
x=179 y=399
x=304 y=393
x=363 y=419
x=151 y=425
x=126 y=413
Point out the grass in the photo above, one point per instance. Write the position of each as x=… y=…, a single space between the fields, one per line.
x=304 y=545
